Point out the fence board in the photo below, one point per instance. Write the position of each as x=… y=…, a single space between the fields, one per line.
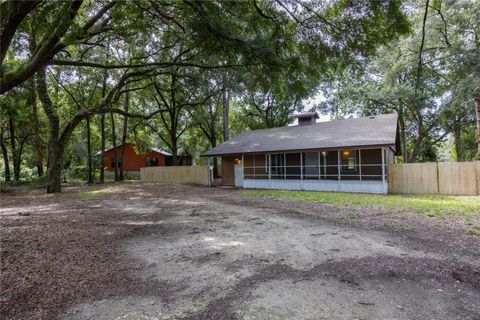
x=450 y=178
x=174 y=174
x=458 y=178
x=413 y=178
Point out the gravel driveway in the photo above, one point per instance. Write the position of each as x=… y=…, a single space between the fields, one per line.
x=160 y=252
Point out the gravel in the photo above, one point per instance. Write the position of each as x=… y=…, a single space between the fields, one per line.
x=152 y=251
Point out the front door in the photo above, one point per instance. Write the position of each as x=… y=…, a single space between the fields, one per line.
x=238 y=175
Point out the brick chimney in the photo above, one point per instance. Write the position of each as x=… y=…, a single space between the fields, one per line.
x=307 y=118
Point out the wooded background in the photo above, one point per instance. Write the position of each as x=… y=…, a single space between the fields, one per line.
x=82 y=76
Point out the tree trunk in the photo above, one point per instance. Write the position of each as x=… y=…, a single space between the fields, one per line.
x=174 y=152
x=215 y=165
x=102 y=120
x=114 y=142
x=32 y=44
x=420 y=137
x=102 y=152
x=403 y=135
x=89 y=151
x=226 y=112
x=477 y=112
x=5 y=158
x=55 y=148
x=38 y=141
x=416 y=149
x=124 y=136
x=55 y=162
x=15 y=157
x=457 y=133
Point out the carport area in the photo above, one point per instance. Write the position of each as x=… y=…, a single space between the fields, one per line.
x=184 y=252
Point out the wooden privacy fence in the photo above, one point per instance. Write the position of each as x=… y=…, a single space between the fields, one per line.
x=451 y=178
x=180 y=174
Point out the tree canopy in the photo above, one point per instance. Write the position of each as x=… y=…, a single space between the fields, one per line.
x=82 y=76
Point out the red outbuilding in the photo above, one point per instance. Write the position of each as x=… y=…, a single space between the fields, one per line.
x=134 y=160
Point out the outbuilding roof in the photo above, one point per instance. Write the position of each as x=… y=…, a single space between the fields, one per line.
x=380 y=130
x=165 y=153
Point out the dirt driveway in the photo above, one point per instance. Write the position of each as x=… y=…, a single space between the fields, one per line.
x=146 y=251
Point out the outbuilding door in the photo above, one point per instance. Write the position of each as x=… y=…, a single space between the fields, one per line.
x=238 y=175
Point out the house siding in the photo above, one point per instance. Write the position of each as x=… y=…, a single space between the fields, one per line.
x=133 y=160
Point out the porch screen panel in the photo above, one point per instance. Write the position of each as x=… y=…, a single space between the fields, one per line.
x=350 y=168
x=260 y=170
x=371 y=164
x=331 y=165
x=293 y=166
x=248 y=168
x=278 y=166
x=310 y=165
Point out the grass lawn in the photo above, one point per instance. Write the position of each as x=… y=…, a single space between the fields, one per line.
x=464 y=207
x=95 y=194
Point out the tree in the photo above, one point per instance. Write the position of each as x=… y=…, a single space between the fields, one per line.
x=289 y=36
x=176 y=94
x=428 y=78
x=61 y=19
x=124 y=135
x=58 y=139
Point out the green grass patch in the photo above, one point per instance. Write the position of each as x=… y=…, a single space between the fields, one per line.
x=474 y=231
x=429 y=205
x=96 y=194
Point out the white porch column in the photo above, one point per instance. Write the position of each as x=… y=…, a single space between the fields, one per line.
x=243 y=169
x=301 y=166
x=319 y=172
x=338 y=169
x=270 y=169
x=209 y=172
x=338 y=164
x=254 y=166
x=324 y=165
x=360 y=163
x=383 y=170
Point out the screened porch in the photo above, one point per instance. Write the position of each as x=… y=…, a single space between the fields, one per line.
x=355 y=170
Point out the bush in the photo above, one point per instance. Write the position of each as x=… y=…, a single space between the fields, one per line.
x=79 y=172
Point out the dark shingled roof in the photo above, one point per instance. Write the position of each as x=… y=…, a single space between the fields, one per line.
x=380 y=130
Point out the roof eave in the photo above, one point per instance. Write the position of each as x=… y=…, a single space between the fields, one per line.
x=370 y=146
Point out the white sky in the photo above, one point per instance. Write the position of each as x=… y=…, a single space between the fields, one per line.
x=316 y=99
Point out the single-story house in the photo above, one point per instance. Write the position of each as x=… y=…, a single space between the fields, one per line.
x=349 y=155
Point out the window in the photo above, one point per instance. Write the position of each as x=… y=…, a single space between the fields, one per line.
x=349 y=160
x=152 y=162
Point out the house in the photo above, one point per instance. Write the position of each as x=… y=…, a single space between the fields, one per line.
x=133 y=160
x=342 y=155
